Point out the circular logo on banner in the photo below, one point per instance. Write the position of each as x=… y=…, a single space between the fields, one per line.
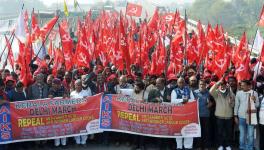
x=191 y=130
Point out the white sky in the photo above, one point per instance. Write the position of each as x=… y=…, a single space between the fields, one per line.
x=70 y=2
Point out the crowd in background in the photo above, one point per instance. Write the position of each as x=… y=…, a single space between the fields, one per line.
x=225 y=105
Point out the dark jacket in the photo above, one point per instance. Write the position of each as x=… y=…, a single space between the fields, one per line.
x=33 y=92
x=155 y=92
x=153 y=95
x=16 y=96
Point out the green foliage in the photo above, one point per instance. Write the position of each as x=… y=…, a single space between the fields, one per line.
x=236 y=16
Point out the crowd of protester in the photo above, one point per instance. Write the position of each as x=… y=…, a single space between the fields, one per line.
x=223 y=102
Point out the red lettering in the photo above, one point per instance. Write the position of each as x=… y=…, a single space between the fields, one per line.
x=5 y=127
x=4 y=110
x=4 y=118
x=6 y=135
x=106 y=98
x=105 y=122
x=105 y=114
x=106 y=106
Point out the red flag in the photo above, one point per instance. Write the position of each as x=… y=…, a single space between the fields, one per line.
x=192 y=50
x=133 y=10
x=171 y=68
x=261 y=20
x=20 y=54
x=58 y=61
x=48 y=26
x=50 y=50
x=168 y=18
x=123 y=45
x=208 y=64
x=151 y=39
x=242 y=71
x=35 y=33
x=262 y=54
x=161 y=62
x=220 y=65
x=241 y=52
x=67 y=46
x=26 y=22
x=52 y=35
x=117 y=58
x=201 y=43
x=25 y=74
x=153 y=23
x=82 y=50
x=153 y=68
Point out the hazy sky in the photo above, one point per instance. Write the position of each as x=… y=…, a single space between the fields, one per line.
x=70 y=2
x=50 y=2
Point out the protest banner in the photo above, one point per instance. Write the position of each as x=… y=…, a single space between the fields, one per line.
x=120 y=113
x=49 y=119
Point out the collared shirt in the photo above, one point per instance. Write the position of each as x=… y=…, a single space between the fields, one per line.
x=82 y=94
x=162 y=92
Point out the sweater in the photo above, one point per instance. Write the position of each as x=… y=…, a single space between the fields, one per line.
x=224 y=102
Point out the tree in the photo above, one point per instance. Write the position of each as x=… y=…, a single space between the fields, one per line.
x=236 y=16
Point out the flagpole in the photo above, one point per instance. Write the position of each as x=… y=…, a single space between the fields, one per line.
x=126 y=9
x=200 y=60
x=185 y=38
x=166 y=59
x=12 y=36
x=140 y=38
x=30 y=31
x=145 y=43
x=5 y=62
